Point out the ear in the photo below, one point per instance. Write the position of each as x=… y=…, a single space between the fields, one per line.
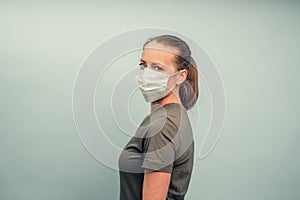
x=181 y=77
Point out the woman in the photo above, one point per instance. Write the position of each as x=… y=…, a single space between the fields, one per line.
x=156 y=164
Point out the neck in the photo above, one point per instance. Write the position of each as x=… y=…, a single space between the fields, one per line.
x=171 y=98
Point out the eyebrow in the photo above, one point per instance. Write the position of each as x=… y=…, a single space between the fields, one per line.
x=153 y=63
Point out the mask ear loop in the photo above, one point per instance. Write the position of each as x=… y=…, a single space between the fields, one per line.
x=175 y=82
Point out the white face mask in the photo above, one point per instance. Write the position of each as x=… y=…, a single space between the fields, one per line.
x=153 y=84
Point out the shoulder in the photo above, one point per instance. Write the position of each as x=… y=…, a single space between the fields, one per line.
x=166 y=119
x=168 y=124
x=164 y=138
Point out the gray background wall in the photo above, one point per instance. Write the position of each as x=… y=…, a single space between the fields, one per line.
x=255 y=45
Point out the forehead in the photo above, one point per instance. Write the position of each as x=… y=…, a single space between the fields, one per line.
x=155 y=52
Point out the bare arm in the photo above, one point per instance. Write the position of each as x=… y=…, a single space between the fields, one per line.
x=156 y=185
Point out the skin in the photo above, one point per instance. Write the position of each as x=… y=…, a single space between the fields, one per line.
x=161 y=58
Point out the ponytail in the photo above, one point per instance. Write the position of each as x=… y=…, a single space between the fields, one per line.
x=188 y=90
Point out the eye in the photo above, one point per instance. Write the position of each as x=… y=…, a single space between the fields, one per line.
x=143 y=65
x=157 y=68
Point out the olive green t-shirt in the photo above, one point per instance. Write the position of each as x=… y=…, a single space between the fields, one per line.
x=163 y=142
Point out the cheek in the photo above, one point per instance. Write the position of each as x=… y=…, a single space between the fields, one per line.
x=171 y=82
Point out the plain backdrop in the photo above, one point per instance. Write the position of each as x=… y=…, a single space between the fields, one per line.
x=255 y=45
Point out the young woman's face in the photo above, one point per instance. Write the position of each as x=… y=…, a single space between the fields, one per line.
x=160 y=58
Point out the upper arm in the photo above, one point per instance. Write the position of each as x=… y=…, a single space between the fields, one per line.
x=160 y=150
x=156 y=185
x=160 y=146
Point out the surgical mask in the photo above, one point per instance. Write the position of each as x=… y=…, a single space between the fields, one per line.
x=153 y=84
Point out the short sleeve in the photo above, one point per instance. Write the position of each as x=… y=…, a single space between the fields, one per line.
x=159 y=148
